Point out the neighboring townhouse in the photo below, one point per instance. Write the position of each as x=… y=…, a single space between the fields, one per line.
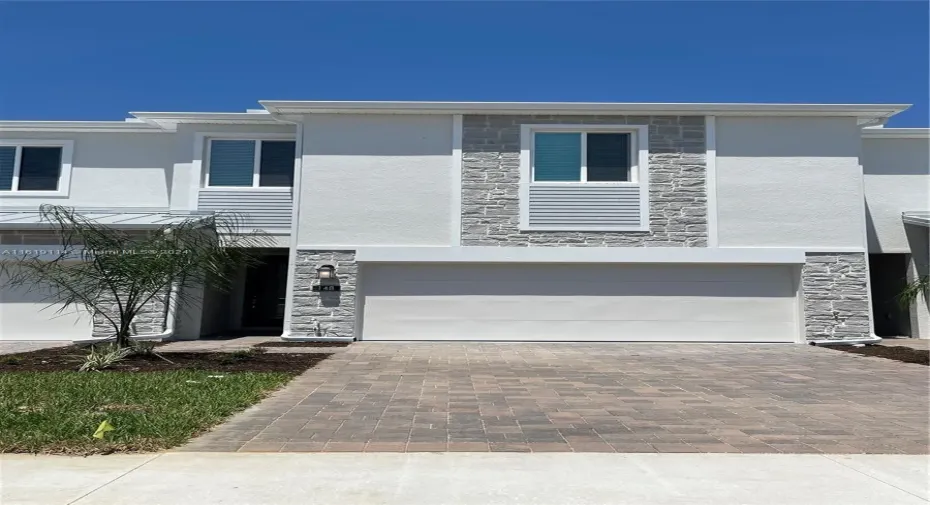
x=504 y=221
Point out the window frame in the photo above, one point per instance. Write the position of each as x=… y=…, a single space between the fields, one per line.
x=256 y=162
x=639 y=172
x=583 y=130
x=64 y=171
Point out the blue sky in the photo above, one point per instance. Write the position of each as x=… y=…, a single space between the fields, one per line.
x=98 y=61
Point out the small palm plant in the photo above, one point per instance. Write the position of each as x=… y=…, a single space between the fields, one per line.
x=910 y=294
x=119 y=272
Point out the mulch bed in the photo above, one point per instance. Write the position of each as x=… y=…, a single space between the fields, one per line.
x=70 y=358
x=302 y=344
x=897 y=353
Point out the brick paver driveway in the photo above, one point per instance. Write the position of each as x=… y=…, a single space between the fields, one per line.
x=590 y=397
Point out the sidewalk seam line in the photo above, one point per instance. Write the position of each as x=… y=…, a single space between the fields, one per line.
x=872 y=477
x=118 y=477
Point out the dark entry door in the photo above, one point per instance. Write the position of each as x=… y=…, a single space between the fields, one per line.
x=265 y=286
x=888 y=276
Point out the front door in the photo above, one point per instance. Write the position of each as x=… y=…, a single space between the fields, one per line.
x=265 y=286
x=888 y=276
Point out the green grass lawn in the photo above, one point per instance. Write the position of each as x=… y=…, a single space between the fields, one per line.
x=58 y=412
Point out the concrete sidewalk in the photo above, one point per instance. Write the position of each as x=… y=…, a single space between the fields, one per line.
x=464 y=478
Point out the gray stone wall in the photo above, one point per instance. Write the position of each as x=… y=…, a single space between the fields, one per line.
x=151 y=319
x=335 y=310
x=491 y=177
x=836 y=296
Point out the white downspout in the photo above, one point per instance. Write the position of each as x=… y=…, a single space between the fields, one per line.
x=170 y=318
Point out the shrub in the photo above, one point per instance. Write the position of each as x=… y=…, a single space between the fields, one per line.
x=144 y=347
x=101 y=359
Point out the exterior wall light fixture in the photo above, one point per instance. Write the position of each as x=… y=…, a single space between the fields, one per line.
x=326 y=279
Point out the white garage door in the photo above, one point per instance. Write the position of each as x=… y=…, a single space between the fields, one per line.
x=27 y=315
x=558 y=302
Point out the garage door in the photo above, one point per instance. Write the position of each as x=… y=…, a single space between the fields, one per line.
x=27 y=315
x=559 y=302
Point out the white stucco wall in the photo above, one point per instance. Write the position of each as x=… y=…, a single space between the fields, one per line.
x=110 y=170
x=897 y=179
x=152 y=170
x=186 y=181
x=376 y=180
x=789 y=182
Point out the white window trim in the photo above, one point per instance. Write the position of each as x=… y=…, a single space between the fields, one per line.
x=634 y=153
x=639 y=171
x=207 y=141
x=64 y=174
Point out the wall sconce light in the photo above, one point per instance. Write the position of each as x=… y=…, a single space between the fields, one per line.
x=326 y=279
x=326 y=272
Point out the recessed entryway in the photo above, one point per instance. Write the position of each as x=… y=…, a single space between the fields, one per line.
x=254 y=304
x=888 y=278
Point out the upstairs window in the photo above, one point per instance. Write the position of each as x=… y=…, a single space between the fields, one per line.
x=251 y=163
x=582 y=157
x=30 y=168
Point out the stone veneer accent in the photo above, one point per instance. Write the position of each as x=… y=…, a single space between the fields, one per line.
x=491 y=177
x=150 y=319
x=335 y=310
x=836 y=296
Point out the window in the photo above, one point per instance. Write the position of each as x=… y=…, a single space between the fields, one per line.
x=251 y=163
x=31 y=168
x=584 y=177
x=582 y=157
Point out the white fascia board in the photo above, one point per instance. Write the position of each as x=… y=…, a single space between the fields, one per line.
x=117 y=217
x=721 y=109
x=79 y=127
x=896 y=133
x=919 y=218
x=681 y=255
x=203 y=116
x=170 y=120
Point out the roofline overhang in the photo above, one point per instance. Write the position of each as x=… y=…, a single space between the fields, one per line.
x=869 y=112
x=918 y=218
x=170 y=120
x=278 y=112
x=80 y=126
x=896 y=133
x=127 y=213
x=144 y=122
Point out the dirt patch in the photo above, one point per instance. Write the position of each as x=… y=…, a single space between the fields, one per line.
x=897 y=353
x=302 y=344
x=70 y=358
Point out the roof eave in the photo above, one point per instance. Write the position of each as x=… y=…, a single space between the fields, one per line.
x=896 y=133
x=919 y=218
x=30 y=219
x=171 y=120
x=78 y=127
x=872 y=111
